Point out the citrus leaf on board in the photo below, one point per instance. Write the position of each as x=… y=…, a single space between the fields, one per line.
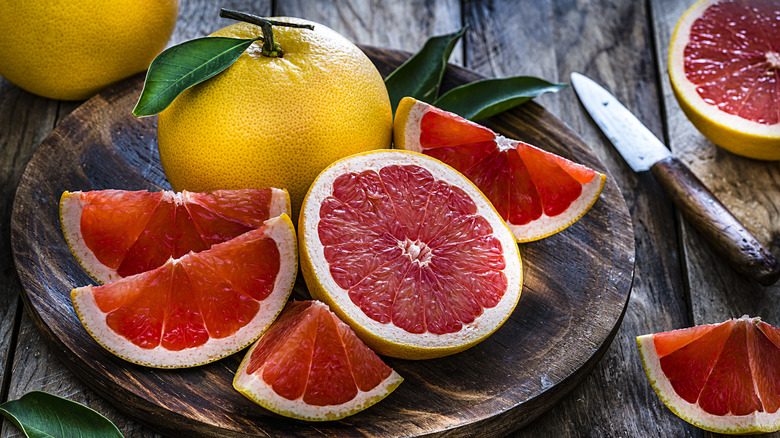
x=42 y=415
x=420 y=76
x=488 y=97
x=184 y=65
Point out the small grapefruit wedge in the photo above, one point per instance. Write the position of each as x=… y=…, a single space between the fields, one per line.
x=724 y=67
x=116 y=233
x=537 y=193
x=409 y=253
x=311 y=366
x=199 y=308
x=724 y=377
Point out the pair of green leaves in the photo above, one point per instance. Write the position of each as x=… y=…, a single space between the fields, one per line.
x=420 y=77
x=43 y=415
x=195 y=61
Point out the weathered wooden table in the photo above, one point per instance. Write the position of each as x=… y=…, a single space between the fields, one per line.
x=678 y=280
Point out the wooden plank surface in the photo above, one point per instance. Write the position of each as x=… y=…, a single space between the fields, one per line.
x=619 y=43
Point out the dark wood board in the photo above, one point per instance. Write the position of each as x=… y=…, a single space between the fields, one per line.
x=577 y=284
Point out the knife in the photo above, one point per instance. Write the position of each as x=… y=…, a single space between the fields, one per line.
x=644 y=151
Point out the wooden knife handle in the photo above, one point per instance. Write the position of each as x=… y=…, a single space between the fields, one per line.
x=724 y=232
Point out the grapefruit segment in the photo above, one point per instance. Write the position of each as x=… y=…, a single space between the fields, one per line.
x=537 y=193
x=720 y=377
x=198 y=308
x=724 y=67
x=116 y=233
x=311 y=366
x=409 y=253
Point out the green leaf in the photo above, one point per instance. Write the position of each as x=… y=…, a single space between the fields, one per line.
x=420 y=76
x=184 y=65
x=43 y=415
x=488 y=97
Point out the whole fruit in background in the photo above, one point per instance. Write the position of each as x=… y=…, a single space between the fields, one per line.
x=724 y=66
x=276 y=121
x=70 y=50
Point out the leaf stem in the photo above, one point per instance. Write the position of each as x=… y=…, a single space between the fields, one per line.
x=270 y=47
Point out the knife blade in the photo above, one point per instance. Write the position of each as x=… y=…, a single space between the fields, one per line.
x=643 y=151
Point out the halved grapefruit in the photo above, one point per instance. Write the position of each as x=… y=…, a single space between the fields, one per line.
x=116 y=233
x=199 y=308
x=723 y=377
x=311 y=366
x=409 y=253
x=724 y=67
x=536 y=192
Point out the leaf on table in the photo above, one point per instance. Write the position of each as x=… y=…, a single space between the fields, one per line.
x=488 y=97
x=42 y=415
x=420 y=76
x=184 y=65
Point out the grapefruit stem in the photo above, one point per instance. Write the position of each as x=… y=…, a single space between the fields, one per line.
x=271 y=48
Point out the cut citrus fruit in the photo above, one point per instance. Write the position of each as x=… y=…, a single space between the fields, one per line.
x=724 y=377
x=409 y=253
x=537 y=193
x=116 y=233
x=724 y=67
x=199 y=308
x=311 y=366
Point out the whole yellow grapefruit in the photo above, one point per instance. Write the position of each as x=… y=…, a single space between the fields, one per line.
x=276 y=122
x=72 y=49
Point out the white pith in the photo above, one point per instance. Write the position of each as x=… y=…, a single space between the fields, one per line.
x=486 y=323
x=544 y=225
x=72 y=206
x=688 y=89
x=693 y=413
x=94 y=320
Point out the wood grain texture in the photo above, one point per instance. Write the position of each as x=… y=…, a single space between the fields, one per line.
x=519 y=372
x=609 y=41
x=748 y=188
x=717 y=225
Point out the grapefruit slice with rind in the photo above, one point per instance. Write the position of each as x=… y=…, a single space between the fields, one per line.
x=409 y=253
x=724 y=377
x=198 y=308
x=724 y=67
x=116 y=233
x=536 y=192
x=311 y=366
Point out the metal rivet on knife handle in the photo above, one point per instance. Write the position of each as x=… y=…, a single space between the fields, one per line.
x=721 y=229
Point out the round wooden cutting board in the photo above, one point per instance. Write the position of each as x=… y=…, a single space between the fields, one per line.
x=576 y=288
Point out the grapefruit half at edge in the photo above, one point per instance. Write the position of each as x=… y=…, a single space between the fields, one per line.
x=311 y=366
x=116 y=233
x=724 y=67
x=409 y=253
x=536 y=192
x=199 y=308
x=723 y=377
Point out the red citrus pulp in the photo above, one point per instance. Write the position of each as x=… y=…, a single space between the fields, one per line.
x=310 y=365
x=536 y=192
x=721 y=377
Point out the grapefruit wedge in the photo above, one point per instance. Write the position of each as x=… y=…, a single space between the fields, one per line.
x=116 y=233
x=198 y=308
x=311 y=366
x=537 y=193
x=724 y=377
x=409 y=253
x=724 y=67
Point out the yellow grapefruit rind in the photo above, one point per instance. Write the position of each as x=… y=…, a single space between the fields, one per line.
x=256 y=389
x=72 y=206
x=281 y=230
x=733 y=133
x=387 y=339
x=406 y=136
x=758 y=422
